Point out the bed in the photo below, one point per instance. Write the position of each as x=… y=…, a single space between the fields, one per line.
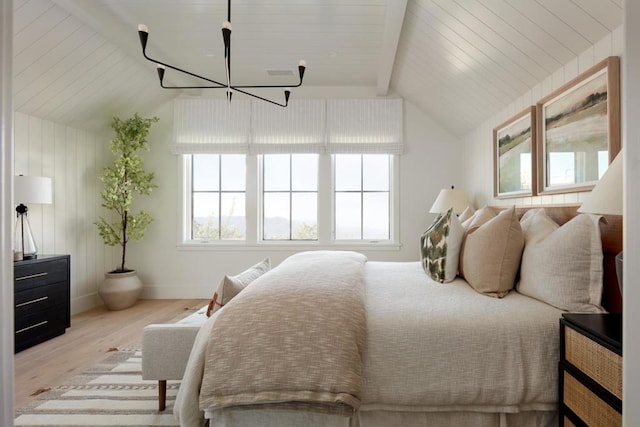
x=432 y=354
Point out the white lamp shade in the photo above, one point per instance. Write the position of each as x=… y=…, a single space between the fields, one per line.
x=32 y=189
x=606 y=196
x=450 y=198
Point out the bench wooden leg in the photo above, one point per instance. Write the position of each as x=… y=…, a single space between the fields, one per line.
x=162 y=395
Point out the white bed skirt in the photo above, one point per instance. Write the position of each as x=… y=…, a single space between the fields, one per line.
x=271 y=418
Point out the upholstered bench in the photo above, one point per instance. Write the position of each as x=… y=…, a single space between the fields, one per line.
x=166 y=349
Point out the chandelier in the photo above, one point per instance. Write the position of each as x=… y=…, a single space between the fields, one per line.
x=143 y=32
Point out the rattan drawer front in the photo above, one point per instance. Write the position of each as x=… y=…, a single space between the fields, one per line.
x=589 y=407
x=600 y=363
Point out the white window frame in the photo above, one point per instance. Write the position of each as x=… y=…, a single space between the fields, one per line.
x=253 y=203
x=393 y=207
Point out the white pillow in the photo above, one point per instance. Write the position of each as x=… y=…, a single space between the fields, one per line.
x=562 y=266
x=466 y=214
x=440 y=247
x=230 y=286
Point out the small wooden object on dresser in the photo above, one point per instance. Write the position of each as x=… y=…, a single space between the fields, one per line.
x=42 y=299
x=590 y=370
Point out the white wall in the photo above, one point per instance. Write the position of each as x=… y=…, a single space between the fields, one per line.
x=631 y=142
x=478 y=160
x=7 y=301
x=431 y=162
x=73 y=159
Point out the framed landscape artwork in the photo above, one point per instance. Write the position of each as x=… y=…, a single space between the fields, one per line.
x=579 y=130
x=514 y=156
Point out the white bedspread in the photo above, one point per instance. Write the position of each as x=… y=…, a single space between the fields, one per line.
x=437 y=347
x=433 y=346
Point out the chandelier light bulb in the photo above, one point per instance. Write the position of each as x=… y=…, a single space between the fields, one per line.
x=143 y=28
x=160 y=66
x=302 y=63
x=226 y=25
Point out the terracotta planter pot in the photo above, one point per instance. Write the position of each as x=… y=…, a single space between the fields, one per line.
x=120 y=290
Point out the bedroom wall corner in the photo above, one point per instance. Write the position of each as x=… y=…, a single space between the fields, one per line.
x=478 y=143
x=431 y=162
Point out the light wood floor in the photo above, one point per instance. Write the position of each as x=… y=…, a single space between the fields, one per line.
x=91 y=336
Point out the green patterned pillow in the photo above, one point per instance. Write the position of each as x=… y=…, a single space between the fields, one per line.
x=440 y=247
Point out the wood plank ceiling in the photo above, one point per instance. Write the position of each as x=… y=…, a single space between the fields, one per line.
x=78 y=62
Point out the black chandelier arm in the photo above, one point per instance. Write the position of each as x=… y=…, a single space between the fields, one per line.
x=287 y=93
x=144 y=35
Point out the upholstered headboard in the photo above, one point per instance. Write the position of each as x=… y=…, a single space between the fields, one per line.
x=611 y=231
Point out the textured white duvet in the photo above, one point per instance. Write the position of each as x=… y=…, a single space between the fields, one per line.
x=434 y=347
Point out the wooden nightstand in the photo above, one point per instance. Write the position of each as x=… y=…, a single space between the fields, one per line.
x=590 y=374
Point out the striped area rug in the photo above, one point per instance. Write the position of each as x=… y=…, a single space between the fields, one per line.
x=110 y=394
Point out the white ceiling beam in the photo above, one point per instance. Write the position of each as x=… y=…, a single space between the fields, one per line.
x=392 y=30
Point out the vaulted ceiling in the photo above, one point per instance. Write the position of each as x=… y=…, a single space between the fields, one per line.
x=78 y=62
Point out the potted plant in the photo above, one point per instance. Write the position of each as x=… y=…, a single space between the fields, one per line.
x=123 y=179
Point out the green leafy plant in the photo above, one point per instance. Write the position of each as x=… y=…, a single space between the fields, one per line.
x=124 y=178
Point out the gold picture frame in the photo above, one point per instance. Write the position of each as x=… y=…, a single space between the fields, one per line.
x=579 y=130
x=514 y=156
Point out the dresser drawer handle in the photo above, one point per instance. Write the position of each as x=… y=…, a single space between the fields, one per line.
x=32 y=326
x=31 y=276
x=32 y=301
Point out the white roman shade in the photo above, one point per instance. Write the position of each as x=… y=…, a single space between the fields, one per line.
x=364 y=126
x=299 y=128
x=305 y=126
x=211 y=126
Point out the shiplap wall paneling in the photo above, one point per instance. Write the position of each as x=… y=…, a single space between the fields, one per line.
x=73 y=159
x=479 y=161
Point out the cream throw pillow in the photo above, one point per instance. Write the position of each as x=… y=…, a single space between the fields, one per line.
x=440 y=247
x=562 y=266
x=466 y=214
x=491 y=253
x=230 y=286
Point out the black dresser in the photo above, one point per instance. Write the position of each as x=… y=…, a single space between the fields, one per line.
x=42 y=299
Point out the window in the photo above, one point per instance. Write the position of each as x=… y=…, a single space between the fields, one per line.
x=218 y=193
x=290 y=197
x=362 y=196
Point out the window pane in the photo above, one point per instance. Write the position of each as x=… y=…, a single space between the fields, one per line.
x=348 y=177
x=205 y=172
x=233 y=224
x=276 y=216
x=233 y=172
x=375 y=216
x=276 y=172
x=348 y=215
x=304 y=172
x=375 y=172
x=562 y=166
x=304 y=212
x=205 y=216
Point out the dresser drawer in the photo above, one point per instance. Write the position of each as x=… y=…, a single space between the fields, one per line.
x=40 y=298
x=39 y=326
x=601 y=364
x=40 y=273
x=587 y=405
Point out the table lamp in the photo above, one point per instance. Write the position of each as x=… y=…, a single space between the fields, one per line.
x=606 y=199
x=28 y=189
x=450 y=198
